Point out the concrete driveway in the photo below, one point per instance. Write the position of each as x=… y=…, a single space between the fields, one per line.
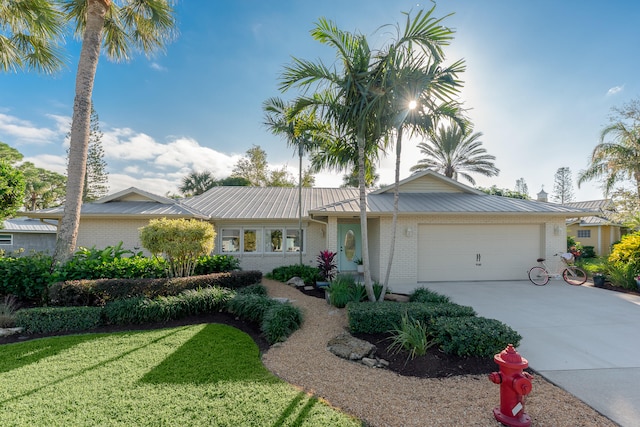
x=583 y=339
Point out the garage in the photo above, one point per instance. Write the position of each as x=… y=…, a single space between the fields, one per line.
x=477 y=251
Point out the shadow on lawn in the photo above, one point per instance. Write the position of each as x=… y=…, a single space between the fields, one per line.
x=290 y=409
x=216 y=353
x=26 y=353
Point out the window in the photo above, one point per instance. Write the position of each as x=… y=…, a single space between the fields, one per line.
x=582 y=234
x=6 y=239
x=230 y=240
x=273 y=240
x=251 y=241
x=294 y=240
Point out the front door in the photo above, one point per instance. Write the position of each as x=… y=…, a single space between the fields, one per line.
x=349 y=244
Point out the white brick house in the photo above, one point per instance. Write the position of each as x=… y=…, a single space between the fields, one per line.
x=446 y=230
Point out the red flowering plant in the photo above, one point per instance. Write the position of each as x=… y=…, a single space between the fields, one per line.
x=327 y=265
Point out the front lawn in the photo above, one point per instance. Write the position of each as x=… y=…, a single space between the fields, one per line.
x=208 y=375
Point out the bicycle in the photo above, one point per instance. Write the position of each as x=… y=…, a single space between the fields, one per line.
x=540 y=274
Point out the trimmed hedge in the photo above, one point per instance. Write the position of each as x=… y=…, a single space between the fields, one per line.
x=309 y=274
x=427 y=295
x=161 y=309
x=58 y=319
x=101 y=291
x=473 y=336
x=25 y=277
x=380 y=317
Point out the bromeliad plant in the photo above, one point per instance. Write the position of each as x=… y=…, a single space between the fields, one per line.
x=327 y=265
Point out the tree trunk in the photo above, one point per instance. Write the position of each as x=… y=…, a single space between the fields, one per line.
x=79 y=142
x=300 y=201
x=363 y=219
x=394 y=222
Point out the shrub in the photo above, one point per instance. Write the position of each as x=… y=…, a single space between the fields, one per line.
x=208 y=264
x=256 y=289
x=101 y=291
x=309 y=274
x=250 y=307
x=380 y=317
x=25 y=277
x=627 y=251
x=344 y=290
x=327 y=265
x=180 y=241
x=410 y=335
x=280 y=321
x=7 y=312
x=58 y=319
x=427 y=295
x=473 y=336
x=622 y=275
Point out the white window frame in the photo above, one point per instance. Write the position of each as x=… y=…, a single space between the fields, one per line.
x=263 y=240
x=6 y=239
x=586 y=234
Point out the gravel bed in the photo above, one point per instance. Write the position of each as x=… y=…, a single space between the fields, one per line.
x=383 y=398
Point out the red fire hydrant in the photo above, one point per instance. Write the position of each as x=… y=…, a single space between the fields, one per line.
x=515 y=384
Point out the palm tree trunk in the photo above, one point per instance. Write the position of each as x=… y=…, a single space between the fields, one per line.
x=79 y=142
x=363 y=219
x=394 y=222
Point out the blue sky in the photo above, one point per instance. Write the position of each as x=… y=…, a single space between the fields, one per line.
x=540 y=82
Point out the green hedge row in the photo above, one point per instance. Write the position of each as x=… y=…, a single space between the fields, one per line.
x=99 y=292
x=473 y=336
x=42 y=320
x=381 y=317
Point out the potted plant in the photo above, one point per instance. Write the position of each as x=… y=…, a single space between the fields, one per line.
x=327 y=267
x=598 y=280
x=359 y=264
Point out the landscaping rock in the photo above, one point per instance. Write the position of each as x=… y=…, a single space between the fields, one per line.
x=296 y=281
x=396 y=297
x=4 y=332
x=349 y=347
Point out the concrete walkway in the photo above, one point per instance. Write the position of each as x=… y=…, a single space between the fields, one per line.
x=584 y=339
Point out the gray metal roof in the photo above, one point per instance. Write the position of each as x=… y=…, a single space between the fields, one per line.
x=27 y=225
x=153 y=209
x=415 y=203
x=265 y=202
x=596 y=205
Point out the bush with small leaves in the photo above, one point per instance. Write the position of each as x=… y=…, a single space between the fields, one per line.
x=280 y=321
x=309 y=274
x=58 y=319
x=473 y=336
x=427 y=295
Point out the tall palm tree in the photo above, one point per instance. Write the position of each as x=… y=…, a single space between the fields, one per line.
x=456 y=153
x=30 y=31
x=300 y=129
x=356 y=98
x=615 y=161
x=196 y=183
x=121 y=26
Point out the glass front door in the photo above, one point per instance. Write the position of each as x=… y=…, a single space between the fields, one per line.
x=350 y=245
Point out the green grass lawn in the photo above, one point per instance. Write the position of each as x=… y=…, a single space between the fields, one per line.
x=208 y=375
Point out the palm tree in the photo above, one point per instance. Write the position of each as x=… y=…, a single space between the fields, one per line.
x=356 y=98
x=121 y=25
x=456 y=153
x=196 y=183
x=615 y=161
x=299 y=129
x=29 y=34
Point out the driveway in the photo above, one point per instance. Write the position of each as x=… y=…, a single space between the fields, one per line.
x=583 y=339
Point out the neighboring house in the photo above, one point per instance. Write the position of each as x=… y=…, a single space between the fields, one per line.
x=446 y=230
x=598 y=230
x=30 y=235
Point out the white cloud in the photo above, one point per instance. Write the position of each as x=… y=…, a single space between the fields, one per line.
x=25 y=132
x=50 y=162
x=615 y=90
x=158 y=67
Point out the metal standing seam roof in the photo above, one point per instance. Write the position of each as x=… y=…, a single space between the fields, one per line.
x=127 y=209
x=244 y=203
x=416 y=203
x=27 y=225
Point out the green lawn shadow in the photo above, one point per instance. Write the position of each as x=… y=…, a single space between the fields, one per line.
x=216 y=353
x=17 y=355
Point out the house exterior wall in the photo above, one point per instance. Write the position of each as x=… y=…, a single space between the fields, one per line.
x=602 y=237
x=404 y=272
x=30 y=242
x=103 y=232
x=314 y=242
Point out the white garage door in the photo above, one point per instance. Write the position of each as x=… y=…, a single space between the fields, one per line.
x=477 y=252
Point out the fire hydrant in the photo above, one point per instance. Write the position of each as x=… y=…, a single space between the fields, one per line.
x=515 y=384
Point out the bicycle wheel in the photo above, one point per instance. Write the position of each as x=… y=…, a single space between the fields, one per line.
x=538 y=276
x=574 y=276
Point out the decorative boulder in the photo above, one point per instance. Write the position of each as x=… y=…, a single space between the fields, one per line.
x=349 y=347
x=295 y=281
